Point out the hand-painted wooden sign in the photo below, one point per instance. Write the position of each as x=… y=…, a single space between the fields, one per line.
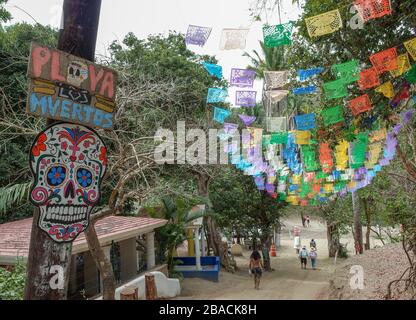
x=68 y=162
x=68 y=88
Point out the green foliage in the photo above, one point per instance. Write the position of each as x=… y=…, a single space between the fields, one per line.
x=12 y=282
x=12 y=195
x=243 y=209
x=178 y=213
x=4 y=14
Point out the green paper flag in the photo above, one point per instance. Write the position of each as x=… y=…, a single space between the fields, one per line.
x=278 y=35
x=411 y=74
x=309 y=158
x=349 y=71
x=359 y=152
x=279 y=138
x=333 y=115
x=335 y=89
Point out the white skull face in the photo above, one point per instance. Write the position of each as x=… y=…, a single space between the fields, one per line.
x=77 y=73
x=68 y=162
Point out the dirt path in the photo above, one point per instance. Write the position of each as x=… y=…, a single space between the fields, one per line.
x=287 y=281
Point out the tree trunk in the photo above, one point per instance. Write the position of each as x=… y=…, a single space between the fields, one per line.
x=368 y=224
x=358 y=228
x=214 y=239
x=303 y=219
x=102 y=263
x=266 y=243
x=333 y=239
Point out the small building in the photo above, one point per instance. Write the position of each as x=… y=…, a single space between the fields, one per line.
x=120 y=237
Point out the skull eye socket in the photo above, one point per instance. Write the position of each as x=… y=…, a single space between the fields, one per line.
x=77 y=73
x=84 y=177
x=56 y=176
x=71 y=71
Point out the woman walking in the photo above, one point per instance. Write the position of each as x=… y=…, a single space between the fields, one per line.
x=256 y=268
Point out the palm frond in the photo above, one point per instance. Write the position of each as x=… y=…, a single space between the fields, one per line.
x=13 y=195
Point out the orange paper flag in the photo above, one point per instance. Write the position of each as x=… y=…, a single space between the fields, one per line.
x=385 y=60
x=360 y=104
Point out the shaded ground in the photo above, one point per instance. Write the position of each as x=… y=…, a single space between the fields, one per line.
x=287 y=281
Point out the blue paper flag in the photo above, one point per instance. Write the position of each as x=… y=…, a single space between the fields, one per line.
x=216 y=95
x=221 y=114
x=304 y=90
x=309 y=73
x=213 y=69
x=305 y=122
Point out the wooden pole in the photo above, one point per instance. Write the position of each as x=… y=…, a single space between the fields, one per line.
x=151 y=290
x=129 y=293
x=49 y=262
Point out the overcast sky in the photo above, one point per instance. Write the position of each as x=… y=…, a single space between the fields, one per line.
x=145 y=17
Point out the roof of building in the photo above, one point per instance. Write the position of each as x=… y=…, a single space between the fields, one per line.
x=15 y=236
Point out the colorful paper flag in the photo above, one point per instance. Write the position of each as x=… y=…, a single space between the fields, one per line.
x=216 y=95
x=348 y=71
x=213 y=69
x=403 y=65
x=333 y=115
x=385 y=60
x=278 y=35
x=360 y=104
x=279 y=138
x=245 y=98
x=335 y=89
x=197 y=35
x=242 y=78
x=232 y=39
x=304 y=90
x=411 y=47
x=372 y=9
x=309 y=73
x=275 y=79
x=324 y=23
x=276 y=124
x=386 y=89
x=305 y=122
x=221 y=114
x=277 y=95
x=247 y=120
x=369 y=79
x=303 y=137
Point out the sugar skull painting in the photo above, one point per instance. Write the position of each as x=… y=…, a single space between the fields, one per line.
x=68 y=162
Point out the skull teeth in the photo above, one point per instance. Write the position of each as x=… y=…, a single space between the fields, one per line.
x=60 y=214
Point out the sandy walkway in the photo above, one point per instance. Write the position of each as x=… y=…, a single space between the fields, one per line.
x=287 y=281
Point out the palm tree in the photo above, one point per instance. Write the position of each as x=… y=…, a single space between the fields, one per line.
x=270 y=59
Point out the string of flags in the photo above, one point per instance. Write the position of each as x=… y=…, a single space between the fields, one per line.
x=301 y=166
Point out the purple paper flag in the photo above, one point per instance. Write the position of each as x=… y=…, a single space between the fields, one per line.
x=247 y=120
x=270 y=188
x=407 y=116
x=245 y=98
x=242 y=78
x=230 y=128
x=197 y=35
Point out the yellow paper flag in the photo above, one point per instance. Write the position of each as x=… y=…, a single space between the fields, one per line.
x=373 y=155
x=378 y=135
x=411 y=47
x=328 y=187
x=386 y=89
x=403 y=65
x=341 y=155
x=325 y=23
x=303 y=137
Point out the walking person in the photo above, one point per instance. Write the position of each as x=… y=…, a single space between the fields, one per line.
x=256 y=268
x=297 y=244
x=303 y=255
x=312 y=244
x=308 y=221
x=313 y=255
